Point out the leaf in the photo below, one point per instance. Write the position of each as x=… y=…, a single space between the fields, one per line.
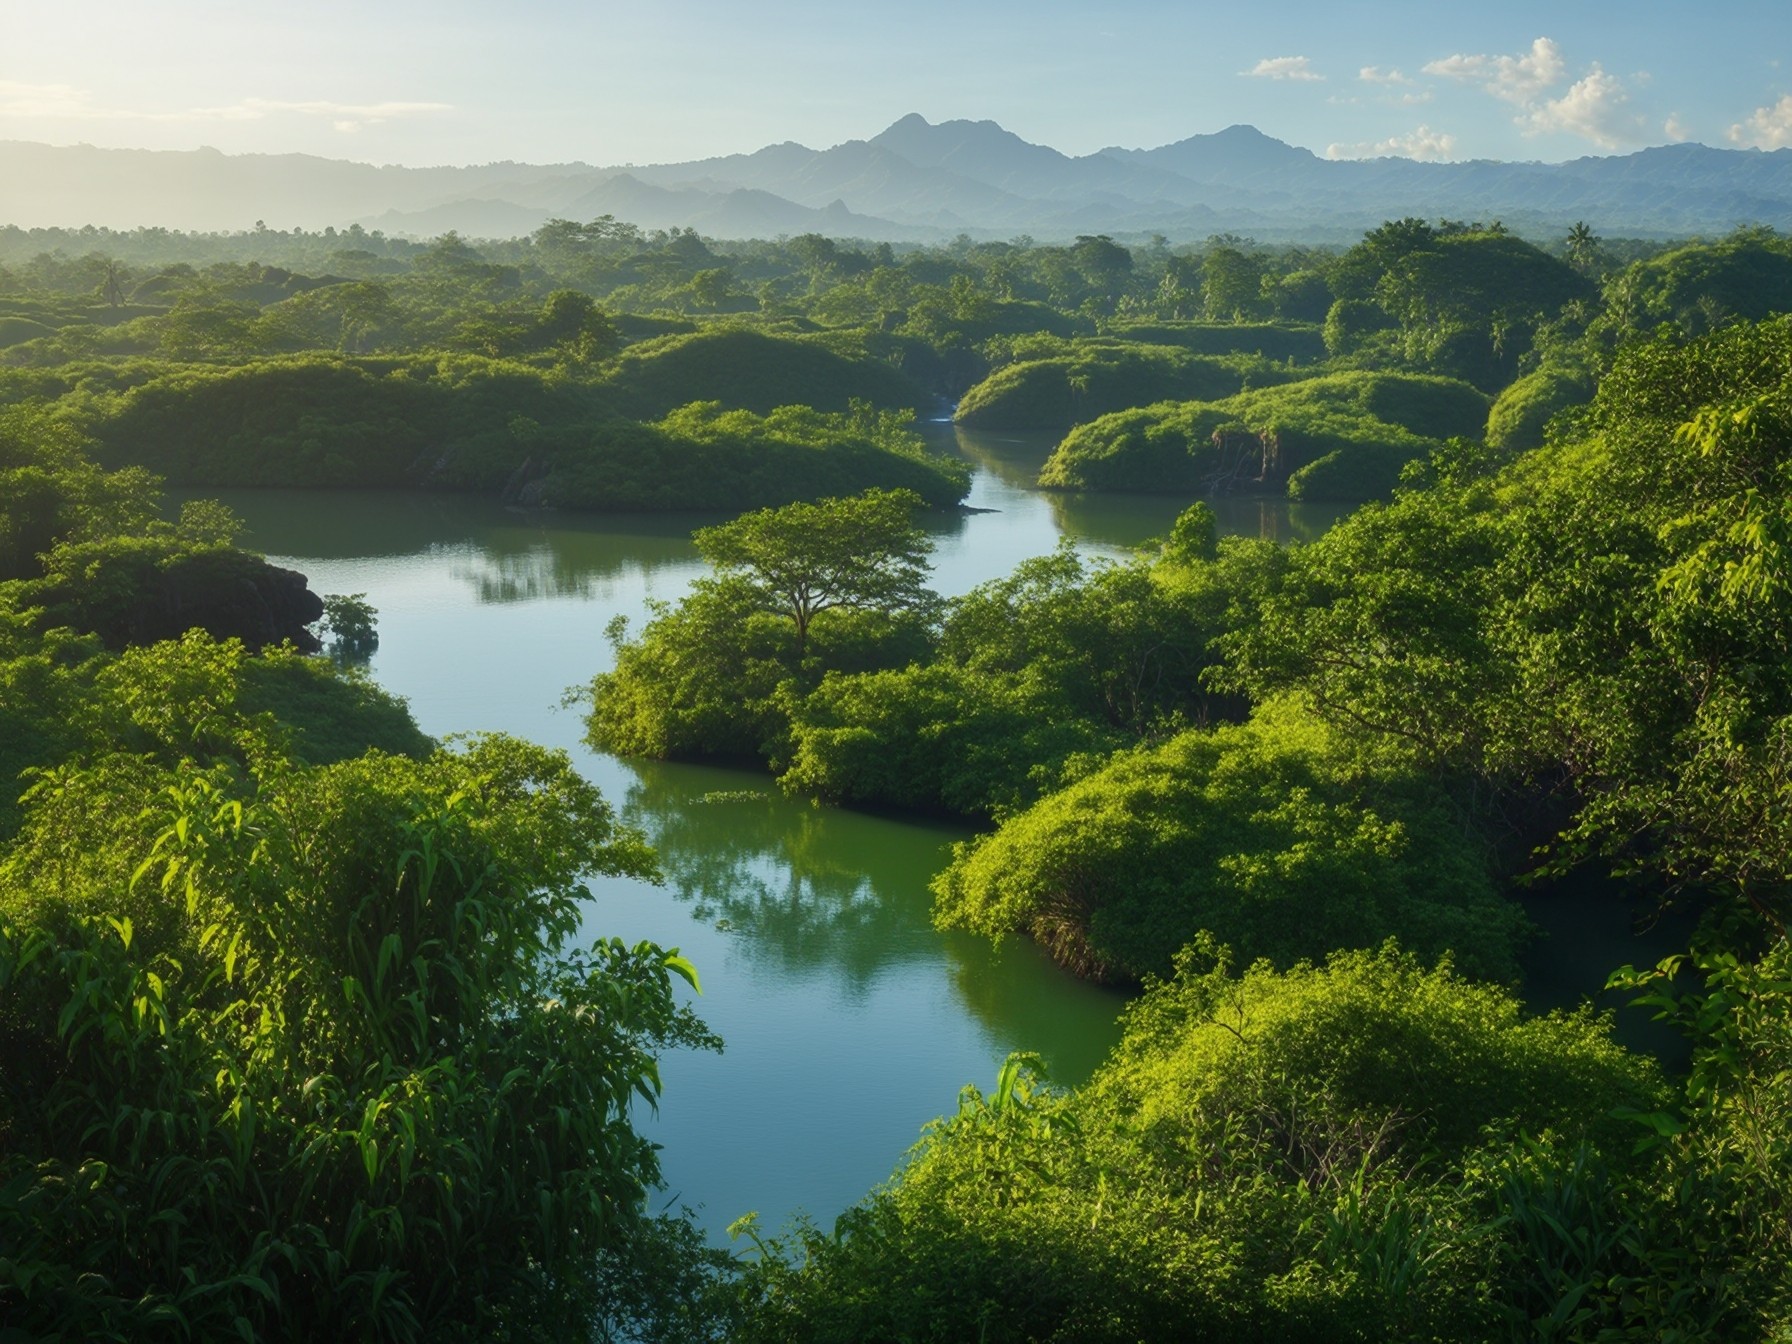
x=683 y=969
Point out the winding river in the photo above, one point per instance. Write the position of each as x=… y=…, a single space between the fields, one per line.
x=849 y=1021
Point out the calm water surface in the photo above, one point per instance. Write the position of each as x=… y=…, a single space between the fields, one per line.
x=849 y=1021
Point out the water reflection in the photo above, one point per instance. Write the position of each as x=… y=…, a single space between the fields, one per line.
x=805 y=893
x=805 y=886
x=1011 y=462
x=519 y=565
x=502 y=554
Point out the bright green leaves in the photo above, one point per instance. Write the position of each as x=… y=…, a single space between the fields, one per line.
x=1362 y=1150
x=332 y=1017
x=864 y=553
x=1265 y=835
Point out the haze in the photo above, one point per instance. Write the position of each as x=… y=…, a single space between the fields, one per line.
x=605 y=83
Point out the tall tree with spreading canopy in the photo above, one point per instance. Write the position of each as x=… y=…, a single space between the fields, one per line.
x=863 y=553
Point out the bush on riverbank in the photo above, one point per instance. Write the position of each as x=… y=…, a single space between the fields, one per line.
x=1265 y=835
x=1363 y=1151
x=492 y=427
x=1056 y=393
x=1342 y=436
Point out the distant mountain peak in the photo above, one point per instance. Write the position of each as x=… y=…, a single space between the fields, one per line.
x=913 y=181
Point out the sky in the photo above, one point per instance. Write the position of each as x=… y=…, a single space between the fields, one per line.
x=653 y=81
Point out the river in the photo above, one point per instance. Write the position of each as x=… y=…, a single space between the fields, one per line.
x=849 y=1022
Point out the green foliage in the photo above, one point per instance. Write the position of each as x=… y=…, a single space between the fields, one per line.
x=1523 y=411
x=1029 y=681
x=501 y=427
x=324 y=420
x=1703 y=286
x=1059 y=392
x=1280 y=341
x=699 y=681
x=864 y=553
x=937 y=736
x=799 y=590
x=43 y=681
x=136 y=590
x=1597 y=634
x=1350 y=322
x=1728 y=1137
x=331 y=713
x=14 y=330
x=1194 y=537
x=1381 y=624
x=1265 y=835
x=704 y=457
x=352 y=1046
x=50 y=492
x=1364 y=1151
x=1341 y=436
x=749 y=370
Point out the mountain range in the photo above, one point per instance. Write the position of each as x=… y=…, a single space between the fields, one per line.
x=913 y=182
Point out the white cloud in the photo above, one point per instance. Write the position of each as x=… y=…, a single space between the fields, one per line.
x=65 y=101
x=1414 y=99
x=1767 y=127
x=1424 y=144
x=1595 y=108
x=1676 y=130
x=1374 y=74
x=1515 y=79
x=1283 y=67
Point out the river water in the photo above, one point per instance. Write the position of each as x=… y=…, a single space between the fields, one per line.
x=849 y=1022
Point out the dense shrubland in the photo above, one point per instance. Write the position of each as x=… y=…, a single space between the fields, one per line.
x=1344 y=436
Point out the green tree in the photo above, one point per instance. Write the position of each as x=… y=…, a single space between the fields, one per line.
x=862 y=553
x=349 y=620
x=1583 y=248
x=1231 y=285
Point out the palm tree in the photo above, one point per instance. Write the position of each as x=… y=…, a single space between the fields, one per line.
x=1583 y=248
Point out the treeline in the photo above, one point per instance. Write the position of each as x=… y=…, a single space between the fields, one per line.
x=625 y=440
x=1184 y=345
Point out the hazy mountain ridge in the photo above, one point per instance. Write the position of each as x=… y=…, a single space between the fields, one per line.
x=914 y=181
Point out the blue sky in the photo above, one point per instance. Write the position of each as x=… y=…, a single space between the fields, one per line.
x=548 y=80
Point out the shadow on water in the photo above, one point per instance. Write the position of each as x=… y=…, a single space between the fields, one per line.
x=1009 y=464
x=1591 y=924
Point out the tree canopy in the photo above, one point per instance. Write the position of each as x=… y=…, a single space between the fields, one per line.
x=864 y=553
